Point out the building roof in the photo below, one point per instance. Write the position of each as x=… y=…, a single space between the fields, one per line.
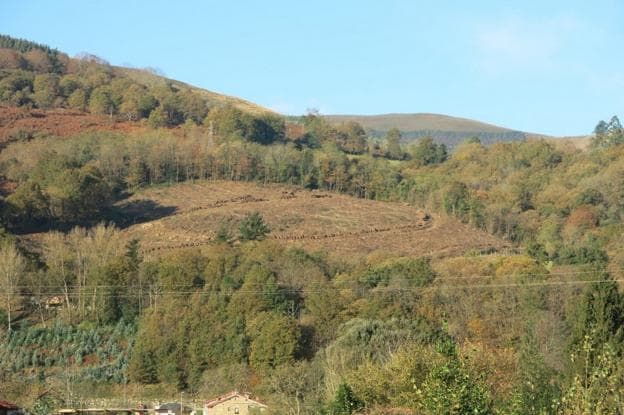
x=8 y=405
x=231 y=395
x=171 y=406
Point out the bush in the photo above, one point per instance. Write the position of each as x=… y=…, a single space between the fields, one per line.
x=157 y=118
x=414 y=271
x=345 y=401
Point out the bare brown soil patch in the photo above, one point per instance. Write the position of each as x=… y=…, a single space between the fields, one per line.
x=23 y=123
x=315 y=220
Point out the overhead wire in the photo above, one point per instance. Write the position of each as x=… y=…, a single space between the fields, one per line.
x=86 y=292
x=408 y=279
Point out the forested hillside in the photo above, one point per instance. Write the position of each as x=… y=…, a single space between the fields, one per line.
x=36 y=76
x=529 y=323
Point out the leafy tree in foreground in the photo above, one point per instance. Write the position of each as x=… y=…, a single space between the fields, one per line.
x=450 y=389
x=274 y=340
x=12 y=266
x=599 y=388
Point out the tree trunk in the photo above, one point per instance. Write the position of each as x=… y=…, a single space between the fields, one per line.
x=8 y=303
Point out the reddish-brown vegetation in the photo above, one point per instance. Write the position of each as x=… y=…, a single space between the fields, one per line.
x=16 y=123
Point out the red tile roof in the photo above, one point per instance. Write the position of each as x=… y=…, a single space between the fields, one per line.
x=8 y=405
x=212 y=403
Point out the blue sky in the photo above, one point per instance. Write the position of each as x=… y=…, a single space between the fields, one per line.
x=549 y=66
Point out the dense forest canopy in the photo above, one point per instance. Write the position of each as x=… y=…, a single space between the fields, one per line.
x=86 y=313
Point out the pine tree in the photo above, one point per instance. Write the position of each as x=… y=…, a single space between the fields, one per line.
x=143 y=367
x=599 y=315
x=253 y=227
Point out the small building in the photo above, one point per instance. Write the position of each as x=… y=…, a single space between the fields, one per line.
x=234 y=403
x=8 y=408
x=172 y=408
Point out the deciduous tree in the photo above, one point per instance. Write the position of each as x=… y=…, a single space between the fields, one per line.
x=12 y=267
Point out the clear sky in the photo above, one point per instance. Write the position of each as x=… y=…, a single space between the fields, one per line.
x=549 y=66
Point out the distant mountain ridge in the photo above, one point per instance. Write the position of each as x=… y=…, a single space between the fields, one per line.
x=21 y=58
x=442 y=128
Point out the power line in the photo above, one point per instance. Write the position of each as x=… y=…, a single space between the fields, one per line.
x=225 y=292
x=356 y=281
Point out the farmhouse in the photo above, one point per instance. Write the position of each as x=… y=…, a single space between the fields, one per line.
x=8 y=408
x=234 y=403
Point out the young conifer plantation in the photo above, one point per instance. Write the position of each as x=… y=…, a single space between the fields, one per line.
x=529 y=322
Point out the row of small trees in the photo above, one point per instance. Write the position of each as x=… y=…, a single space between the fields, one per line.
x=78 y=179
x=94 y=354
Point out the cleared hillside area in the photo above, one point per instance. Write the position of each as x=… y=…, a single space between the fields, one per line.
x=189 y=215
x=443 y=128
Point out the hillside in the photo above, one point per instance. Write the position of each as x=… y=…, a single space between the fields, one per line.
x=151 y=79
x=36 y=76
x=582 y=142
x=45 y=92
x=27 y=123
x=443 y=128
x=177 y=241
x=313 y=220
